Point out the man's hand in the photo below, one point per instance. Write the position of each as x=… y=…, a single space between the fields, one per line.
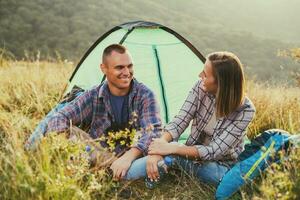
x=122 y=164
x=120 y=167
x=152 y=169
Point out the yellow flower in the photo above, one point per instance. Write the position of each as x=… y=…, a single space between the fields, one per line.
x=110 y=134
x=102 y=138
x=118 y=135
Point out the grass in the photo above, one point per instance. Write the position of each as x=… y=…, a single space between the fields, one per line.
x=30 y=89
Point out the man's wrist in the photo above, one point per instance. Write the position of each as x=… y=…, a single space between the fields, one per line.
x=167 y=136
x=132 y=154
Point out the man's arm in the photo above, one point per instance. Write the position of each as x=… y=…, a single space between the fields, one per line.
x=150 y=121
x=58 y=120
x=150 y=124
x=77 y=112
x=122 y=164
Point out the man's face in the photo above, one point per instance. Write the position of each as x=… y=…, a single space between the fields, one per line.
x=118 y=69
x=209 y=81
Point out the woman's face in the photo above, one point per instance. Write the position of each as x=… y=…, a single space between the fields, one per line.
x=209 y=82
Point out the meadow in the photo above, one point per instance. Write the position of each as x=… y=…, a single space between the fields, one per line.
x=29 y=89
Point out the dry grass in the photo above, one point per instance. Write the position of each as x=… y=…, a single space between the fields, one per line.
x=30 y=89
x=276 y=107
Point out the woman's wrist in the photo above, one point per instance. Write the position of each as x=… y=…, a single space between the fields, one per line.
x=175 y=147
x=183 y=150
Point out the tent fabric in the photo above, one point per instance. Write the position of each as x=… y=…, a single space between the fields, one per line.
x=163 y=60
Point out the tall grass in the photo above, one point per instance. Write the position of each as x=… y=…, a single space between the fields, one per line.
x=59 y=168
x=276 y=107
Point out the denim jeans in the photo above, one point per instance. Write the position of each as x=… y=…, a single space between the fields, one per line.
x=208 y=172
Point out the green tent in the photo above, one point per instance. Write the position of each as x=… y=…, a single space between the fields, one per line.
x=163 y=60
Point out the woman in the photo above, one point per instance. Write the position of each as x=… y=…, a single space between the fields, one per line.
x=220 y=114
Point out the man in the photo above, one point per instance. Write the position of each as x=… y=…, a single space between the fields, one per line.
x=111 y=105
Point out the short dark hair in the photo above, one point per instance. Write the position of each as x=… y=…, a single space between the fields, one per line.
x=113 y=47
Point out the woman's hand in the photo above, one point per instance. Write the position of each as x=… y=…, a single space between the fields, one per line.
x=162 y=147
x=152 y=169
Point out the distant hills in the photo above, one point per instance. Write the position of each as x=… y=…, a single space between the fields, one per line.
x=255 y=30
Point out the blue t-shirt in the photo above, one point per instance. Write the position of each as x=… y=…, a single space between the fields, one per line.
x=119 y=105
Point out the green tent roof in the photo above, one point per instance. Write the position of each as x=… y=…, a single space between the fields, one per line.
x=163 y=60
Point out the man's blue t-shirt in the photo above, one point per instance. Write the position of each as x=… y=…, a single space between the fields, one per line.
x=119 y=105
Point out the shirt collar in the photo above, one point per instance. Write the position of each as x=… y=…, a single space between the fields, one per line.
x=211 y=96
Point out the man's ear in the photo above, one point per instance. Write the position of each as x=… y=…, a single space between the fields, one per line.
x=103 y=68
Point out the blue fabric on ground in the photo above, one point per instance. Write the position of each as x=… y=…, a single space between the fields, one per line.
x=239 y=174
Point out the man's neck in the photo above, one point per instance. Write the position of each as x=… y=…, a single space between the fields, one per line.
x=118 y=92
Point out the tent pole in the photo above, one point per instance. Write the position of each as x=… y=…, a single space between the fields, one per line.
x=161 y=83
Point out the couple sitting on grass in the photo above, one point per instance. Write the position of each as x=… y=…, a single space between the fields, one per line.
x=217 y=106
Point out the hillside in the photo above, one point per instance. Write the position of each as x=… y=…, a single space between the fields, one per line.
x=254 y=30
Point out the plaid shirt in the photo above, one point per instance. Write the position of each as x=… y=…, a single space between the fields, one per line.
x=227 y=140
x=93 y=109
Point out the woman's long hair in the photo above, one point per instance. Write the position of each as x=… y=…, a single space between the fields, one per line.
x=229 y=75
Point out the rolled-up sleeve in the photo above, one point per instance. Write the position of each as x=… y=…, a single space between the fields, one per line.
x=77 y=112
x=150 y=121
x=228 y=138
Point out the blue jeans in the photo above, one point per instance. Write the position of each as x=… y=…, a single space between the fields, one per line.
x=208 y=172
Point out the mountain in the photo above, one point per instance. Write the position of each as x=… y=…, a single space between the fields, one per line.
x=255 y=30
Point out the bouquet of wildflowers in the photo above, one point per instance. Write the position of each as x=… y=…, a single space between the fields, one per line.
x=121 y=139
x=114 y=143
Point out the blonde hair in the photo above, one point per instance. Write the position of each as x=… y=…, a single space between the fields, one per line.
x=229 y=75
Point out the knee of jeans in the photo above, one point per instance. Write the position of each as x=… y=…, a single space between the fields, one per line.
x=212 y=172
x=137 y=169
x=184 y=164
x=130 y=175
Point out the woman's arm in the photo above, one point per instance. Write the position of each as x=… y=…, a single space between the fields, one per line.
x=151 y=165
x=219 y=145
x=227 y=138
x=161 y=146
x=187 y=112
x=174 y=129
